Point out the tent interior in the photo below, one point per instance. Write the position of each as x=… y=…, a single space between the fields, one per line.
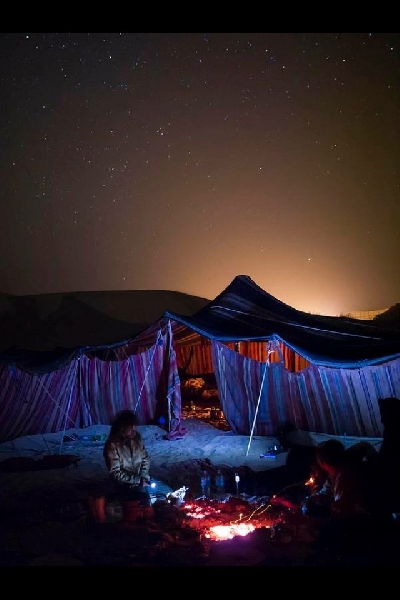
x=260 y=362
x=198 y=382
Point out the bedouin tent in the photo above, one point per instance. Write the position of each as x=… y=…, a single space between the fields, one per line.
x=273 y=364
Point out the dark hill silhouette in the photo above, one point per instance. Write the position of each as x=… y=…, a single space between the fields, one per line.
x=49 y=321
x=390 y=318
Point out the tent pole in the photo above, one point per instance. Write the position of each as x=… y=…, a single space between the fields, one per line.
x=169 y=414
x=77 y=375
x=258 y=405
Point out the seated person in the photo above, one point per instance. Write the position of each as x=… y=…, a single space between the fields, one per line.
x=127 y=459
x=349 y=478
x=341 y=481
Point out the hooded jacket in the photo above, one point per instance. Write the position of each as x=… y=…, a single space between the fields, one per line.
x=127 y=461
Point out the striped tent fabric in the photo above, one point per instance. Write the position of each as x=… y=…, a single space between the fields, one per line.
x=39 y=404
x=260 y=396
x=90 y=391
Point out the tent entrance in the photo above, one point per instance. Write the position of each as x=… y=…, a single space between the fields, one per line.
x=198 y=384
x=200 y=400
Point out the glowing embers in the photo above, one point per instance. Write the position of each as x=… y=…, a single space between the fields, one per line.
x=218 y=521
x=227 y=532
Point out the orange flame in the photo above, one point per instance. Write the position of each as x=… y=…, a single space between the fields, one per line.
x=218 y=524
x=227 y=532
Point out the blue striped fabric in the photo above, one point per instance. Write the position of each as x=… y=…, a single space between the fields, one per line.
x=261 y=397
x=91 y=391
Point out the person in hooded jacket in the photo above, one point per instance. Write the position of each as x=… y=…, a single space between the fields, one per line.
x=127 y=459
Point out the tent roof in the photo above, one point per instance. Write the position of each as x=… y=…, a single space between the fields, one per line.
x=244 y=311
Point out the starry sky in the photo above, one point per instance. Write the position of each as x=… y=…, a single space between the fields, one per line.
x=177 y=161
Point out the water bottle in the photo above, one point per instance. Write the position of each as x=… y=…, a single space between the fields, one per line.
x=205 y=482
x=237 y=480
x=220 y=482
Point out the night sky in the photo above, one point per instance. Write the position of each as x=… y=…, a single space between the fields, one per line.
x=177 y=161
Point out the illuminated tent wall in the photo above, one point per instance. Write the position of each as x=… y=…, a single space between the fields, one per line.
x=272 y=364
x=89 y=390
x=330 y=400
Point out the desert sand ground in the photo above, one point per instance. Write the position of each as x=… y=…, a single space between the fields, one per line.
x=46 y=520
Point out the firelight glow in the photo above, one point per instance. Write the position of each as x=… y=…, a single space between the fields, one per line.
x=227 y=532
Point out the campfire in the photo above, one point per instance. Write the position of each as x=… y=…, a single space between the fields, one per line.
x=188 y=530
x=224 y=518
x=216 y=520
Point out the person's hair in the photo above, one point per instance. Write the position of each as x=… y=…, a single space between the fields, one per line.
x=331 y=452
x=124 y=419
